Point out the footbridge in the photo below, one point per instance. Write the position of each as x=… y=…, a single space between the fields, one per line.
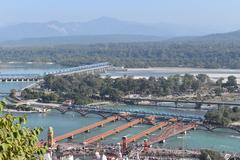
x=85 y=69
x=86 y=129
x=118 y=129
x=169 y=128
x=146 y=132
x=170 y=131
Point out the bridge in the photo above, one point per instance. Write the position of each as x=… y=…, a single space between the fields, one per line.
x=85 y=69
x=172 y=128
x=113 y=131
x=176 y=102
x=118 y=129
x=146 y=132
x=105 y=112
x=19 y=77
x=170 y=131
x=86 y=129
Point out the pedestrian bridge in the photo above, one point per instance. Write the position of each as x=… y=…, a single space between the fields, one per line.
x=85 y=69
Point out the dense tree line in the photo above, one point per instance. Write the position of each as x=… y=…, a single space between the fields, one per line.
x=224 y=116
x=208 y=54
x=84 y=88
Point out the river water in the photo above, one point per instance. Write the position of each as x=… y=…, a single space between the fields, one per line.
x=221 y=139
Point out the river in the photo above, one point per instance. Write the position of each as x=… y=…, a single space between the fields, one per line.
x=221 y=139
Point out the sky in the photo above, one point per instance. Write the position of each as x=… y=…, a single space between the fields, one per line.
x=191 y=12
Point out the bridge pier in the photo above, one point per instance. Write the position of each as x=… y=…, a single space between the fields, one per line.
x=124 y=145
x=71 y=137
x=87 y=131
x=162 y=141
x=50 y=141
x=145 y=145
x=219 y=106
x=198 y=105
x=176 y=104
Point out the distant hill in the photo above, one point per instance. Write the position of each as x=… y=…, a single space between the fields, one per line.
x=211 y=51
x=229 y=37
x=100 y=26
x=83 y=40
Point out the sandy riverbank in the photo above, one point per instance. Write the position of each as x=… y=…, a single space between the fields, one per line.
x=236 y=123
x=214 y=74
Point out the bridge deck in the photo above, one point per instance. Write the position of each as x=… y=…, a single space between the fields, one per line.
x=170 y=131
x=113 y=131
x=181 y=101
x=146 y=132
x=67 y=71
x=87 y=128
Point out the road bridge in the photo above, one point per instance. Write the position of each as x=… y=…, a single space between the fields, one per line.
x=176 y=102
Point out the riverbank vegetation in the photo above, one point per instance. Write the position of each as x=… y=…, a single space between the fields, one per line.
x=210 y=155
x=84 y=89
x=205 y=54
x=223 y=116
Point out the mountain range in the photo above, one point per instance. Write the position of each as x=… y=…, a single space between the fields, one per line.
x=100 y=26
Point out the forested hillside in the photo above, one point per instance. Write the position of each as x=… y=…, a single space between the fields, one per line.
x=214 y=51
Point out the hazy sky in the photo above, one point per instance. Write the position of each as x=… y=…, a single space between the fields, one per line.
x=200 y=12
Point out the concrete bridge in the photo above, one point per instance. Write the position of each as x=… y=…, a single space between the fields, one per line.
x=198 y=104
x=85 y=69
x=20 y=77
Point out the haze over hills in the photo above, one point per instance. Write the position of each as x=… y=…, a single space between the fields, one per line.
x=100 y=26
x=83 y=40
x=223 y=38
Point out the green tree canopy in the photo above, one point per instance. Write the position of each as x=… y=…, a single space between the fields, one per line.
x=18 y=142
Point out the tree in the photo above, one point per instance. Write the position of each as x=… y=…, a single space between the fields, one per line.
x=13 y=93
x=232 y=81
x=218 y=91
x=203 y=78
x=210 y=155
x=17 y=142
x=219 y=82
